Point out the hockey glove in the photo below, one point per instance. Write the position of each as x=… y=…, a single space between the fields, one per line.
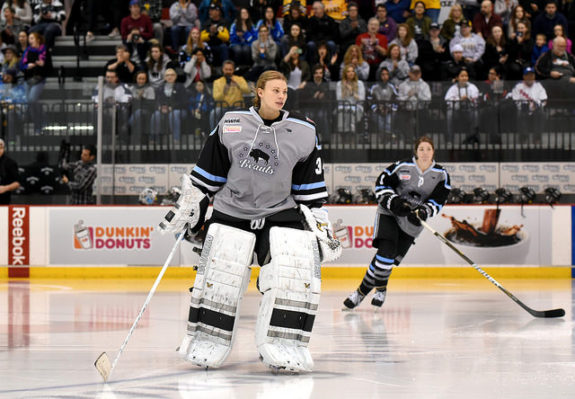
x=399 y=206
x=419 y=213
x=322 y=219
x=189 y=211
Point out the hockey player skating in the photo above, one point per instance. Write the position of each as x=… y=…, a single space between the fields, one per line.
x=406 y=192
x=262 y=167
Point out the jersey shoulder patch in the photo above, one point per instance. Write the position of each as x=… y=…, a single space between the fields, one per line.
x=299 y=118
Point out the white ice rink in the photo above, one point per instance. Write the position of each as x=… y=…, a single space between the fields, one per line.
x=432 y=339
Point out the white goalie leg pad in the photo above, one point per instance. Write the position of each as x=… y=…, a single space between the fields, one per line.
x=222 y=278
x=291 y=284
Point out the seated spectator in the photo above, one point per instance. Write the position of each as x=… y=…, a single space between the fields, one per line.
x=413 y=98
x=473 y=46
x=264 y=51
x=351 y=27
x=242 y=35
x=504 y=9
x=373 y=47
x=297 y=72
x=354 y=58
x=10 y=27
x=452 y=25
x=156 y=64
x=34 y=65
x=171 y=106
x=258 y=8
x=387 y=26
x=194 y=42
x=289 y=5
x=11 y=61
x=432 y=54
x=431 y=8
x=452 y=67
x=136 y=30
x=229 y=90
x=382 y=95
x=530 y=98
x=327 y=60
x=398 y=10
x=462 y=100
x=274 y=26
x=197 y=68
x=48 y=16
x=546 y=21
x=184 y=16
x=557 y=64
x=143 y=106
x=419 y=23
x=350 y=94
x=398 y=68
x=496 y=52
x=320 y=28
x=122 y=64
x=202 y=109
x=22 y=43
x=519 y=51
x=407 y=45
x=315 y=95
x=215 y=33
x=115 y=94
x=227 y=7
x=297 y=14
x=485 y=20
x=294 y=37
x=559 y=31
x=336 y=9
x=539 y=48
x=22 y=11
x=12 y=92
x=518 y=15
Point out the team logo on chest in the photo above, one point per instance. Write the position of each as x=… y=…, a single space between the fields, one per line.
x=420 y=181
x=262 y=157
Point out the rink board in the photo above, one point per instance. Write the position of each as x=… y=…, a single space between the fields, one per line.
x=126 y=241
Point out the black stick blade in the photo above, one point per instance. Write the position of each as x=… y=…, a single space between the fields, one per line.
x=554 y=313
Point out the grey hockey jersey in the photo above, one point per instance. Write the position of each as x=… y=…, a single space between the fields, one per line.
x=254 y=170
x=405 y=179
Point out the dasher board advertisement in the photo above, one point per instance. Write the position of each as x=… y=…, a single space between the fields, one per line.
x=108 y=236
x=517 y=236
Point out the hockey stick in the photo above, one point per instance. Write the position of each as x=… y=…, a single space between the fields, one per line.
x=102 y=363
x=535 y=313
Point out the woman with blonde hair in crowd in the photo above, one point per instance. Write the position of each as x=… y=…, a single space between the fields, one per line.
x=354 y=58
x=452 y=24
x=350 y=94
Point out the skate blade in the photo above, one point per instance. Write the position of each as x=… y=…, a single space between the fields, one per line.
x=103 y=366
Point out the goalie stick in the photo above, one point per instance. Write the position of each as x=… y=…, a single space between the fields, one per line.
x=102 y=363
x=535 y=313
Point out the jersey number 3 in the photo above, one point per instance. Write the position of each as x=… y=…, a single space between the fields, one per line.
x=319 y=168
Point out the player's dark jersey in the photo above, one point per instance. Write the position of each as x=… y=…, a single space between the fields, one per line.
x=254 y=170
x=405 y=179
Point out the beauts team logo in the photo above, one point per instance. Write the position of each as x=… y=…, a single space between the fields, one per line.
x=115 y=238
x=262 y=157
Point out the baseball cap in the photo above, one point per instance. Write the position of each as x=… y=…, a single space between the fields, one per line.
x=10 y=47
x=465 y=22
x=214 y=6
x=434 y=25
x=134 y=2
x=528 y=70
x=457 y=47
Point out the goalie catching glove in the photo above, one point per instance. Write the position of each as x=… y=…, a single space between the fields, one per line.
x=188 y=212
x=317 y=221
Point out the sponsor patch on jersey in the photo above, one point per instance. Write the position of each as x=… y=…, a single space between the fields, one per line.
x=232 y=128
x=232 y=120
x=404 y=177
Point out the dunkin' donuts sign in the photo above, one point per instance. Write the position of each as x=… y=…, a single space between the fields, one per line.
x=18 y=235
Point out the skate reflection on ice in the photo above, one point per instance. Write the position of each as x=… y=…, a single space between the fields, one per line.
x=287 y=387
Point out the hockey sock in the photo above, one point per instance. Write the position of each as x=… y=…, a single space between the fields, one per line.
x=377 y=274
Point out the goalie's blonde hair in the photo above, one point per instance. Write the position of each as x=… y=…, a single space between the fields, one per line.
x=261 y=83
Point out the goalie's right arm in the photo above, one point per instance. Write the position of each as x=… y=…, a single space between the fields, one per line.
x=190 y=210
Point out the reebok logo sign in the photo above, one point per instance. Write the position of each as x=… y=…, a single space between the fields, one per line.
x=18 y=235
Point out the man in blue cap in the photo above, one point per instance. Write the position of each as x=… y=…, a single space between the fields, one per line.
x=530 y=98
